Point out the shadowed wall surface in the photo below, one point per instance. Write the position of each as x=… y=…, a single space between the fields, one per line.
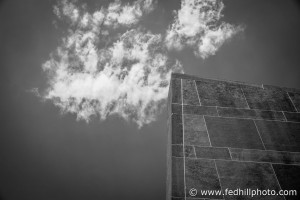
x=231 y=135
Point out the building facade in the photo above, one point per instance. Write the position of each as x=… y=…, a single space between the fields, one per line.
x=232 y=137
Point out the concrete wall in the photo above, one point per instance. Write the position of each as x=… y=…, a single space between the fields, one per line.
x=225 y=134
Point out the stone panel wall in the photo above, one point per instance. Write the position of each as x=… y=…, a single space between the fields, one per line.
x=230 y=135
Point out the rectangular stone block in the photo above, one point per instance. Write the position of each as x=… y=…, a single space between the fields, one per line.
x=195 y=132
x=198 y=138
x=190 y=96
x=296 y=157
x=293 y=117
x=250 y=113
x=264 y=156
x=177 y=151
x=212 y=153
x=194 y=123
x=200 y=110
x=218 y=93
x=176 y=109
x=177 y=177
x=287 y=89
x=287 y=177
x=245 y=175
x=177 y=129
x=295 y=97
x=176 y=91
x=231 y=132
x=281 y=136
x=201 y=174
x=268 y=98
x=189 y=151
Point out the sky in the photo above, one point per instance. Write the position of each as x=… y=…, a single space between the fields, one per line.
x=84 y=85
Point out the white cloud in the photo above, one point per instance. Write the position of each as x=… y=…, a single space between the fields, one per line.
x=127 y=14
x=66 y=8
x=101 y=69
x=115 y=15
x=129 y=78
x=197 y=25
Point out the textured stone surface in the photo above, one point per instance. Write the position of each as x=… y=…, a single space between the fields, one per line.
x=196 y=78
x=177 y=129
x=199 y=138
x=238 y=133
x=214 y=93
x=177 y=177
x=195 y=132
x=281 y=136
x=244 y=175
x=201 y=174
x=212 y=153
x=176 y=109
x=200 y=110
x=194 y=122
x=221 y=141
x=189 y=91
x=189 y=151
x=249 y=113
x=177 y=151
x=287 y=176
x=264 y=156
x=293 y=117
x=268 y=99
x=176 y=91
x=293 y=90
x=295 y=97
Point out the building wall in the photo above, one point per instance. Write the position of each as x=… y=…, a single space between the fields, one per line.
x=230 y=135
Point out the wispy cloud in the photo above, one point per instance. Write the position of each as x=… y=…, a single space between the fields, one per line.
x=116 y=14
x=197 y=25
x=129 y=77
x=109 y=64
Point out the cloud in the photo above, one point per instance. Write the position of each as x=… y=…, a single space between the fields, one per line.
x=127 y=14
x=197 y=25
x=109 y=64
x=115 y=15
x=91 y=77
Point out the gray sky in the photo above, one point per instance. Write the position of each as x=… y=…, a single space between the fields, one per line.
x=49 y=155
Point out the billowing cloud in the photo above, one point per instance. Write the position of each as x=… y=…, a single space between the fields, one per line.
x=197 y=24
x=127 y=14
x=109 y=64
x=116 y=14
x=128 y=76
